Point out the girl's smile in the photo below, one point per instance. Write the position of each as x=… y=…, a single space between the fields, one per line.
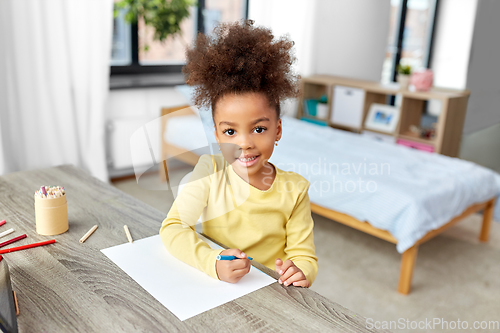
x=248 y=160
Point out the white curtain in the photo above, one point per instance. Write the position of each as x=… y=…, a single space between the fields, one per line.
x=54 y=81
x=293 y=17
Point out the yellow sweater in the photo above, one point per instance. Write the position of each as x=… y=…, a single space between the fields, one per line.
x=266 y=225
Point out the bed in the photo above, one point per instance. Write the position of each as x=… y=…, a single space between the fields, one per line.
x=400 y=195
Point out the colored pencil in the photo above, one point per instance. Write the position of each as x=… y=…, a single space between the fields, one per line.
x=129 y=236
x=15 y=303
x=87 y=235
x=222 y=257
x=2 y=222
x=10 y=241
x=29 y=246
x=5 y=233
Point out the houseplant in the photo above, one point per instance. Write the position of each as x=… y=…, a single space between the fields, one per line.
x=164 y=16
x=404 y=76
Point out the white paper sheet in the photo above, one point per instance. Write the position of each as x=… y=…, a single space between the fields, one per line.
x=182 y=289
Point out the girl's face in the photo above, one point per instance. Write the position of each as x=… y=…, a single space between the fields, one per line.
x=251 y=126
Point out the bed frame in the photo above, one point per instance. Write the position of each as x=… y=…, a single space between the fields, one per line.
x=408 y=258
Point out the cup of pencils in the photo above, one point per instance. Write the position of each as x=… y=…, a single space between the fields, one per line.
x=51 y=210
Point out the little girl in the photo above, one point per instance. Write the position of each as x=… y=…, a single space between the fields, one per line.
x=246 y=203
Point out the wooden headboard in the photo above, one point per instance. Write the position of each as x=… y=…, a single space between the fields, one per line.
x=169 y=150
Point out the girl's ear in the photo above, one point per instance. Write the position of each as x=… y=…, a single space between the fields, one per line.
x=279 y=131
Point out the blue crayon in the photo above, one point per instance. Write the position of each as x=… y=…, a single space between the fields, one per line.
x=219 y=257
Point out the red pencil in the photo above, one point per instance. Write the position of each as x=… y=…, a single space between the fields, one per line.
x=10 y=241
x=2 y=222
x=29 y=246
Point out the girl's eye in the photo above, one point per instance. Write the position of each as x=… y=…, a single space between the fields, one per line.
x=260 y=129
x=229 y=131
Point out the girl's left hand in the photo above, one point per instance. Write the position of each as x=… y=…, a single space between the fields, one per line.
x=290 y=274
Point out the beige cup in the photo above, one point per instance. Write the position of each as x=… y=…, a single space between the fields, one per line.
x=51 y=215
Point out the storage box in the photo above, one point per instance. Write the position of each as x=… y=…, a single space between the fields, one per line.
x=347 y=107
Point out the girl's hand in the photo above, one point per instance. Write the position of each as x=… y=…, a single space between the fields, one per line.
x=233 y=270
x=290 y=274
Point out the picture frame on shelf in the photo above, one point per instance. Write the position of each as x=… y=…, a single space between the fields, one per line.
x=382 y=118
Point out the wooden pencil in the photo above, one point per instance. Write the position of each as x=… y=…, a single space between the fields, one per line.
x=15 y=303
x=87 y=235
x=5 y=233
x=29 y=246
x=129 y=236
x=10 y=241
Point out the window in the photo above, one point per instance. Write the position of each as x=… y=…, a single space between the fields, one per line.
x=411 y=32
x=129 y=55
x=121 y=49
x=171 y=51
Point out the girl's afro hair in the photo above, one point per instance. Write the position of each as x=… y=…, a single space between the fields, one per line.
x=239 y=58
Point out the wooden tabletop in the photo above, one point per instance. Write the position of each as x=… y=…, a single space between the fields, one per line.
x=68 y=286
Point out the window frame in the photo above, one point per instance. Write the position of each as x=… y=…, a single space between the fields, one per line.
x=391 y=100
x=135 y=68
x=399 y=36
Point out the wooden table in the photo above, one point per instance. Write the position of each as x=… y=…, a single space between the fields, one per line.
x=68 y=286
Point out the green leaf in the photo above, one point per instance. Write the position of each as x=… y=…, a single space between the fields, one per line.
x=165 y=16
x=404 y=69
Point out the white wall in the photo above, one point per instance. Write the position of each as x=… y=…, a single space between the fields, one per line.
x=128 y=110
x=483 y=77
x=351 y=37
x=337 y=37
x=481 y=140
x=452 y=42
x=483 y=147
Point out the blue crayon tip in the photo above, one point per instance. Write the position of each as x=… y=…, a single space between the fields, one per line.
x=219 y=257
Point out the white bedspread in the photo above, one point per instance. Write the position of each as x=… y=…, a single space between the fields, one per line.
x=404 y=191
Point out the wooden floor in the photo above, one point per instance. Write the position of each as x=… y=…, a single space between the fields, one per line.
x=409 y=257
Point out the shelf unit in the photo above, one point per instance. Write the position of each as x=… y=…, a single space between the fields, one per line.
x=449 y=124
